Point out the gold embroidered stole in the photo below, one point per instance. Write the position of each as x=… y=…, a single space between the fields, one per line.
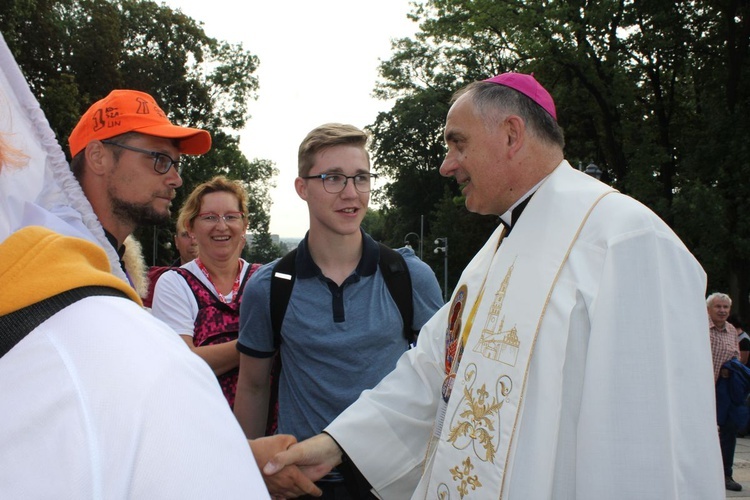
x=508 y=291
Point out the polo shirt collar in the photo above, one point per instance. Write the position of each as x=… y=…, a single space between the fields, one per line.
x=368 y=264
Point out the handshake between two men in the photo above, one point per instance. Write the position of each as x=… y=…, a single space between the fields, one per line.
x=289 y=468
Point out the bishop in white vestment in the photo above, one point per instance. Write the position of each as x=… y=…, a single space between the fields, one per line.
x=572 y=361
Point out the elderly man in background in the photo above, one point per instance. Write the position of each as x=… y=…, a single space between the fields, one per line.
x=724 y=346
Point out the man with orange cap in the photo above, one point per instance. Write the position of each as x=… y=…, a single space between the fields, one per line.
x=126 y=156
x=572 y=359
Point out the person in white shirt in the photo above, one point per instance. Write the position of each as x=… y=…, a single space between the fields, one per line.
x=201 y=300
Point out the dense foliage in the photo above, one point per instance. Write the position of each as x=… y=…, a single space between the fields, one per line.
x=74 y=52
x=657 y=94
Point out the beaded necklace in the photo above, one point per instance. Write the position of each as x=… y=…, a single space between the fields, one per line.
x=235 y=287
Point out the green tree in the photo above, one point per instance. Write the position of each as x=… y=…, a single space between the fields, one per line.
x=374 y=225
x=263 y=249
x=74 y=52
x=714 y=151
x=655 y=93
x=409 y=147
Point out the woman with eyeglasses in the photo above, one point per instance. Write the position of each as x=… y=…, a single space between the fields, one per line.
x=201 y=299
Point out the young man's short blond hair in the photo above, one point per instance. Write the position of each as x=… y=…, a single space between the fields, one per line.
x=326 y=136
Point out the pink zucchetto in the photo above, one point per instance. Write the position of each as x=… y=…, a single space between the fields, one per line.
x=528 y=86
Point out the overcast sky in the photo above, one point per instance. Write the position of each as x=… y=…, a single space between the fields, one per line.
x=318 y=64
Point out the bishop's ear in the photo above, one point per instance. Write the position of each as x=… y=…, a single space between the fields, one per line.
x=515 y=132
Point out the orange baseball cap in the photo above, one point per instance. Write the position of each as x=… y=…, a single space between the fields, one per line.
x=125 y=111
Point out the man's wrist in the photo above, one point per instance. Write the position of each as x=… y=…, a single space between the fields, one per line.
x=344 y=456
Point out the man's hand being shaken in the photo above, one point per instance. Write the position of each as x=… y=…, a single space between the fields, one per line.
x=289 y=483
x=314 y=457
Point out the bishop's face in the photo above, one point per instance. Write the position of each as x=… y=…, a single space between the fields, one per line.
x=478 y=158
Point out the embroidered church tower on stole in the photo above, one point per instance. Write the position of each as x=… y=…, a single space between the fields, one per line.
x=495 y=343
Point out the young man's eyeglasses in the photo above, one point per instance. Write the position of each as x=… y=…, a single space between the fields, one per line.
x=335 y=183
x=229 y=218
x=162 y=161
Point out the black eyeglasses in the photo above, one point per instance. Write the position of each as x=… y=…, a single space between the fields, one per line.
x=162 y=161
x=335 y=183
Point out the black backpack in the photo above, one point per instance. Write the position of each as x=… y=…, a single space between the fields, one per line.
x=16 y=325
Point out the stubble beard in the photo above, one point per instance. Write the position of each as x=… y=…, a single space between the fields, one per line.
x=139 y=214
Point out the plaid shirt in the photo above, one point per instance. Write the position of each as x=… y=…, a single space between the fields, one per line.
x=724 y=345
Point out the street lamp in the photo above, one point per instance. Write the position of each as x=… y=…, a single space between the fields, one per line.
x=444 y=249
x=594 y=171
x=419 y=241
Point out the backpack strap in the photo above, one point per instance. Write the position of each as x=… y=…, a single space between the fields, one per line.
x=282 y=281
x=398 y=280
x=16 y=325
x=205 y=297
x=283 y=275
x=395 y=274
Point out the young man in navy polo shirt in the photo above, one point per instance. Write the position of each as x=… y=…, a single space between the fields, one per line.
x=342 y=331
